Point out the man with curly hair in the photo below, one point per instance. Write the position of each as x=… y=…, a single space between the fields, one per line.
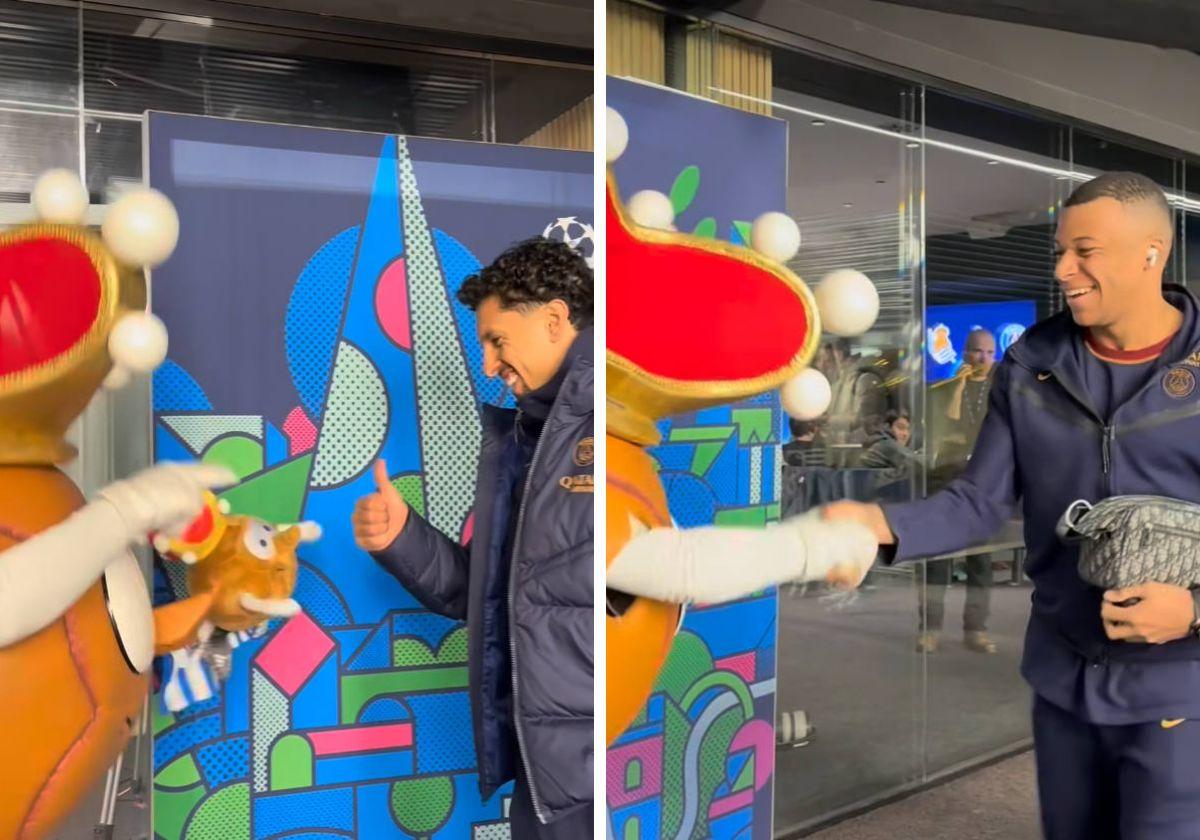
x=524 y=583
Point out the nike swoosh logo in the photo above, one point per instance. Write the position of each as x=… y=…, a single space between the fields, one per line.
x=1042 y=377
x=1171 y=724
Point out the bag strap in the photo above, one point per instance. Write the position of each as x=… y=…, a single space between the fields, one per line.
x=1067 y=528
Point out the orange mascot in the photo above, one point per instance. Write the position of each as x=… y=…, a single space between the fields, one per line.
x=714 y=323
x=77 y=632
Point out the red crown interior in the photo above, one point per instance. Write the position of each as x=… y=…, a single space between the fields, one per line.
x=686 y=313
x=49 y=299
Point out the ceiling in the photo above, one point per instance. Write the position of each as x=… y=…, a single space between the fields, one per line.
x=1163 y=23
x=551 y=29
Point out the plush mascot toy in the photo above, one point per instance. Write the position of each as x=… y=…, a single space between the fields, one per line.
x=695 y=322
x=77 y=631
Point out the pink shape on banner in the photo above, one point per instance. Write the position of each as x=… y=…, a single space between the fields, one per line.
x=758 y=735
x=741 y=664
x=300 y=431
x=294 y=653
x=388 y=736
x=391 y=305
x=729 y=804
x=649 y=753
x=468 y=529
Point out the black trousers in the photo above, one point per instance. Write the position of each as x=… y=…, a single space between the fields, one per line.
x=931 y=598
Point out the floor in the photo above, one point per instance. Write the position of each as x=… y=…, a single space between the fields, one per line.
x=885 y=715
x=998 y=802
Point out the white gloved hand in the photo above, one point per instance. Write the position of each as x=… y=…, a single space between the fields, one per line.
x=165 y=497
x=841 y=553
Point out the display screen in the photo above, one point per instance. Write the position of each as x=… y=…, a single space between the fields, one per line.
x=946 y=329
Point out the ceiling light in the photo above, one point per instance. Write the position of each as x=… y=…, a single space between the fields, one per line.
x=913 y=144
x=818 y=122
x=1182 y=201
x=992 y=162
x=848 y=204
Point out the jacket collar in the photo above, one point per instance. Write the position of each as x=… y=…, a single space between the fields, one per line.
x=1051 y=345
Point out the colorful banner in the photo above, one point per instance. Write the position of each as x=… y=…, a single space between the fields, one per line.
x=314 y=327
x=699 y=762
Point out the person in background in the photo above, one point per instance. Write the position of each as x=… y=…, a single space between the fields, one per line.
x=957 y=419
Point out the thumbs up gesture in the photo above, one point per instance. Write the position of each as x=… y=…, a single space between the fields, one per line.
x=379 y=518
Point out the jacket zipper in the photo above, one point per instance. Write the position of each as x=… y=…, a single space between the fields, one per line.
x=512 y=636
x=1106 y=431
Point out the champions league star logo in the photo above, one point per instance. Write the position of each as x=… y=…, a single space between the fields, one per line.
x=578 y=235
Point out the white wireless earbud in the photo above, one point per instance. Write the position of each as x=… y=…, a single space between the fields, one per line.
x=1152 y=256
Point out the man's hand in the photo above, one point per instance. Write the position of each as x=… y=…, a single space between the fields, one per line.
x=1162 y=613
x=379 y=518
x=864 y=514
x=858 y=544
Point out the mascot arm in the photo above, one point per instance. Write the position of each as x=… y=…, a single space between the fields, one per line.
x=42 y=576
x=714 y=564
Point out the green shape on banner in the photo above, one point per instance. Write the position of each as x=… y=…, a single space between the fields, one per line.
x=774 y=511
x=409 y=652
x=633 y=829
x=454 y=647
x=633 y=774
x=412 y=490
x=688 y=661
x=727 y=679
x=160 y=720
x=692 y=434
x=745 y=779
x=683 y=191
x=714 y=747
x=360 y=689
x=753 y=516
x=276 y=495
x=180 y=773
x=172 y=809
x=706 y=227
x=243 y=455
x=422 y=806
x=223 y=816
x=676 y=728
x=743 y=229
x=704 y=456
x=291 y=763
x=754 y=425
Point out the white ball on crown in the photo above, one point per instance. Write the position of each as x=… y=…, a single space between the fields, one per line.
x=138 y=342
x=848 y=302
x=776 y=236
x=142 y=228
x=807 y=395
x=616 y=134
x=651 y=209
x=59 y=197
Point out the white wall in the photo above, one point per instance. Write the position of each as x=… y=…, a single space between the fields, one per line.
x=1138 y=89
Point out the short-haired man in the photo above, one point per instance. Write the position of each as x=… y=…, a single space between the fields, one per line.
x=524 y=585
x=1098 y=401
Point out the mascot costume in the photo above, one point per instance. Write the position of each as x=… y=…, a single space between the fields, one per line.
x=694 y=322
x=77 y=631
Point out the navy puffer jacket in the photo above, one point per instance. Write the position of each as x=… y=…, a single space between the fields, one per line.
x=540 y=617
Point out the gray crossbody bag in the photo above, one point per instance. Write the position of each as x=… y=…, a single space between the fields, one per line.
x=1128 y=540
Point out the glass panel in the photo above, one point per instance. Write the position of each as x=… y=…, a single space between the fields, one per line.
x=31 y=143
x=133 y=64
x=39 y=54
x=853 y=183
x=989 y=274
x=542 y=106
